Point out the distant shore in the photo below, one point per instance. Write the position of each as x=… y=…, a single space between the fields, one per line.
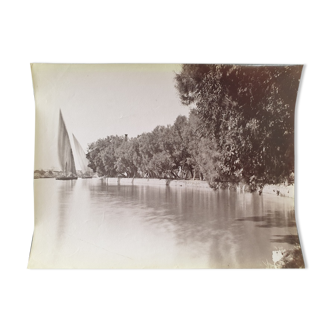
x=278 y=190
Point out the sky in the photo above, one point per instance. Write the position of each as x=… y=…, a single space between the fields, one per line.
x=98 y=100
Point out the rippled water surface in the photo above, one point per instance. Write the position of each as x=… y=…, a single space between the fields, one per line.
x=89 y=224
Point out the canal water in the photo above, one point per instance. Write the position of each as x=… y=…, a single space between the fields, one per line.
x=87 y=223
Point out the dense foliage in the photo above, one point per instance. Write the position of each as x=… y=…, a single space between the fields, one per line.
x=240 y=128
x=247 y=114
x=166 y=152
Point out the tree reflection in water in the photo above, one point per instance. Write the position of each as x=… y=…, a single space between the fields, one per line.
x=93 y=224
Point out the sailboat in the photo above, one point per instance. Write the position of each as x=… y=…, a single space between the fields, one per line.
x=83 y=162
x=65 y=153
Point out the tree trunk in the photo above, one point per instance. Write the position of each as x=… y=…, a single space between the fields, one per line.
x=174 y=175
x=179 y=173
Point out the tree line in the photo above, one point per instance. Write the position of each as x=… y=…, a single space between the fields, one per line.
x=166 y=152
x=240 y=129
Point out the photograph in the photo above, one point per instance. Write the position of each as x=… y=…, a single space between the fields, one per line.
x=165 y=166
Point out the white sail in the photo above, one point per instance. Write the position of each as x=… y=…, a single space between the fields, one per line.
x=82 y=160
x=65 y=152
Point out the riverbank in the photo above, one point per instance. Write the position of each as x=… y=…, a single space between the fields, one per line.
x=278 y=190
x=158 y=182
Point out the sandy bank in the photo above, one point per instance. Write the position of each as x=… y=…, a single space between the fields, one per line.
x=280 y=190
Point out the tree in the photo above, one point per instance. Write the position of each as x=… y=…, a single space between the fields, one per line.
x=247 y=112
x=101 y=155
x=197 y=146
x=128 y=158
x=181 y=139
x=148 y=147
x=161 y=165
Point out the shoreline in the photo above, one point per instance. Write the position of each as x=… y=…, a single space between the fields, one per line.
x=269 y=189
x=277 y=190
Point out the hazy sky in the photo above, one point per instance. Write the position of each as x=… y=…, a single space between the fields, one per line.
x=101 y=100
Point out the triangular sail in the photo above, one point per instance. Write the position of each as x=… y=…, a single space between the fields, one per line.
x=65 y=152
x=83 y=162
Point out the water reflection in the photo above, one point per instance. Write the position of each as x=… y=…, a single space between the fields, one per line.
x=273 y=219
x=89 y=223
x=290 y=239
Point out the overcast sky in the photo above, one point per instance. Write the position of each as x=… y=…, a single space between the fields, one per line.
x=101 y=100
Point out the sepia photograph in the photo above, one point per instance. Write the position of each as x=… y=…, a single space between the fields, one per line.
x=165 y=166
